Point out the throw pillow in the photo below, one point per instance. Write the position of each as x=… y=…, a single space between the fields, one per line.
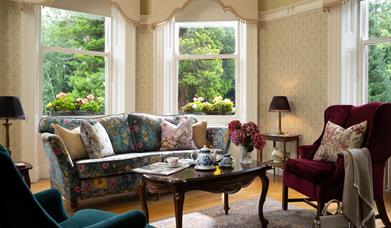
x=96 y=140
x=337 y=138
x=72 y=141
x=178 y=137
x=199 y=134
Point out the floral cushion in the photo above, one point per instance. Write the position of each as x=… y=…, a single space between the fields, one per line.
x=146 y=131
x=119 y=133
x=336 y=139
x=177 y=137
x=96 y=141
x=123 y=163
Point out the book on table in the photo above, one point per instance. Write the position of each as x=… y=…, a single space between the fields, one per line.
x=161 y=168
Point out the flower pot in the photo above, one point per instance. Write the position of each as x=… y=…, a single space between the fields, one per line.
x=245 y=156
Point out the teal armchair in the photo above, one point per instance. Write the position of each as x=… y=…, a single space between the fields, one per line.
x=20 y=208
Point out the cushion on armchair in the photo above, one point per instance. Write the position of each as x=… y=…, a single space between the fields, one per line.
x=316 y=171
x=337 y=138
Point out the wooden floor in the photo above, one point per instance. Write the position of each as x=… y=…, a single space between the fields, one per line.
x=194 y=201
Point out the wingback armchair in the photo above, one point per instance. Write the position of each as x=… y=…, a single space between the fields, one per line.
x=20 y=208
x=322 y=181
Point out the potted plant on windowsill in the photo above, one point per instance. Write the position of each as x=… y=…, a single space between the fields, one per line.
x=66 y=104
x=219 y=106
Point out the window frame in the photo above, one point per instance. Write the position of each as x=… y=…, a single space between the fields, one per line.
x=107 y=54
x=214 y=119
x=365 y=42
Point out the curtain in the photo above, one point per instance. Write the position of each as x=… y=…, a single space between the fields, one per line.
x=123 y=79
x=163 y=69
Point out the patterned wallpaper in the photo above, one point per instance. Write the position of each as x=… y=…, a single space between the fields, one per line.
x=10 y=66
x=293 y=63
x=144 y=69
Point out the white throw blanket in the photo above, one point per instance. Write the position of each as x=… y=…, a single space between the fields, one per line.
x=357 y=196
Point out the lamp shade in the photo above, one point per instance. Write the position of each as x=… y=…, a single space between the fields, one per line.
x=11 y=108
x=279 y=104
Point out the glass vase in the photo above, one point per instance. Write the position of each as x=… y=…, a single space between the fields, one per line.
x=245 y=156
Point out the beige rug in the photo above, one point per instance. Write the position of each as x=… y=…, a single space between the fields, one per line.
x=244 y=214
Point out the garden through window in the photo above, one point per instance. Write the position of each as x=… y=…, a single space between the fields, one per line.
x=377 y=49
x=206 y=58
x=74 y=50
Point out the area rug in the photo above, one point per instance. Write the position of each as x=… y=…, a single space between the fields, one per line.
x=244 y=214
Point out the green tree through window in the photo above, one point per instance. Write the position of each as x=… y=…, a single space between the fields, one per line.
x=66 y=70
x=202 y=75
x=379 y=55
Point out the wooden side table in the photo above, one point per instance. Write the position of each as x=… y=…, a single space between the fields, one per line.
x=23 y=168
x=284 y=139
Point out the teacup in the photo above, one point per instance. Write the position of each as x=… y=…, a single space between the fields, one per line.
x=172 y=161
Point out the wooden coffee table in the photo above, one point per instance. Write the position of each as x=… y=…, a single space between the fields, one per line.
x=226 y=181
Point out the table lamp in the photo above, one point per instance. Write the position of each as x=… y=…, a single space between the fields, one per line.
x=279 y=104
x=10 y=108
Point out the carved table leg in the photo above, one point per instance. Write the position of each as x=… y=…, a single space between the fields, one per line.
x=226 y=207
x=265 y=187
x=143 y=201
x=179 y=198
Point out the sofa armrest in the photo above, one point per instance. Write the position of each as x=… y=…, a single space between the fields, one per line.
x=63 y=174
x=51 y=201
x=308 y=151
x=133 y=218
x=217 y=137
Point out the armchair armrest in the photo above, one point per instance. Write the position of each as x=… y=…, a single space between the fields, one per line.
x=51 y=201
x=217 y=137
x=133 y=218
x=308 y=151
x=63 y=174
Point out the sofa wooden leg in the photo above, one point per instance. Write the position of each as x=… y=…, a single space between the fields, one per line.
x=284 y=197
x=382 y=212
x=74 y=204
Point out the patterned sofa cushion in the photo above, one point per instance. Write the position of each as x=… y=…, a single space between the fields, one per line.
x=146 y=131
x=123 y=163
x=119 y=133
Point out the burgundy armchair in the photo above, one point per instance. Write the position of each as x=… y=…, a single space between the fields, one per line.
x=322 y=181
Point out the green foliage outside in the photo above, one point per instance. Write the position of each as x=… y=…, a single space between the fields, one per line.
x=217 y=107
x=79 y=75
x=379 y=56
x=209 y=79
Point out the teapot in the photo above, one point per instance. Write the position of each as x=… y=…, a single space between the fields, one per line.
x=204 y=157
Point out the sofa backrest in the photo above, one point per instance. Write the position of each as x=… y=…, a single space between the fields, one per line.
x=133 y=132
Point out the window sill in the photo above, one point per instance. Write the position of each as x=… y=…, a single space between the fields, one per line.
x=217 y=120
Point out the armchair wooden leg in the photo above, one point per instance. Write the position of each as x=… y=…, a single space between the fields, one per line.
x=382 y=212
x=319 y=209
x=284 y=197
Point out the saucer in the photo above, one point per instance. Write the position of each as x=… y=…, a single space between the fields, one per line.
x=205 y=168
x=223 y=165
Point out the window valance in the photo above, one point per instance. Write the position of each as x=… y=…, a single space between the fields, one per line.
x=162 y=13
x=330 y=4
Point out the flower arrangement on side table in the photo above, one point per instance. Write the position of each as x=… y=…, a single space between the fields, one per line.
x=247 y=137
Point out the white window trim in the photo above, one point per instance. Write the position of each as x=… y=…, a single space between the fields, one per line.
x=365 y=42
x=165 y=77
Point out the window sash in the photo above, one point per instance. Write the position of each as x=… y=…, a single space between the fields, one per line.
x=107 y=54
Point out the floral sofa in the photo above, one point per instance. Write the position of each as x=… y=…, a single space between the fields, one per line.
x=136 y=142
